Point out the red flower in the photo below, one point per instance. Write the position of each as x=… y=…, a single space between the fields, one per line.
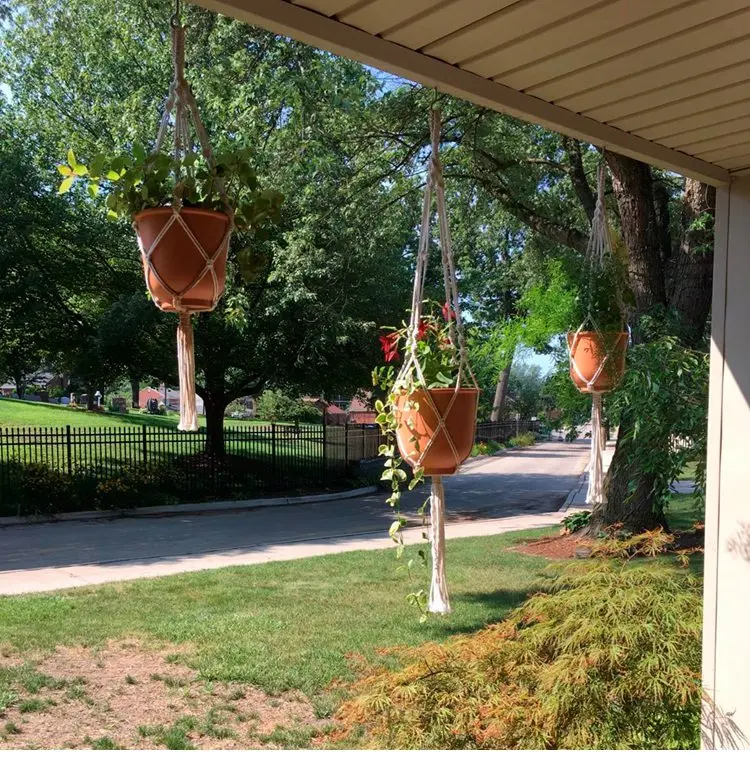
x=422 y=329
x=389 y=345
x=448 y=313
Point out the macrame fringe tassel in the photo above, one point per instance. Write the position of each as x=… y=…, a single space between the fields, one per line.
x=186 y=371
x=595 y=494
x=438 y=602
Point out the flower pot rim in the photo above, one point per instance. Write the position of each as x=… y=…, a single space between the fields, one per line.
x=446 y=389
x=167 y=209
x=619 y=332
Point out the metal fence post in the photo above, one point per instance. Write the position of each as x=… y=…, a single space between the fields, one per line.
x=145 y=448
x=68 y=448
x=346 y=445
x=325 y=451
x=273 y=453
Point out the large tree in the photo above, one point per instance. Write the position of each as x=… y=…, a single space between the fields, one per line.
x=338 y=263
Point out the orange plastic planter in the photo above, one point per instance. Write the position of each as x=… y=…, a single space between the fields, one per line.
x=439 y=458
x=178 y=262
x=589 y=351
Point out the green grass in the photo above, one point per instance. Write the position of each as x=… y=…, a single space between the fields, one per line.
x=23 y=413
x=281 y=625
x=684 y=510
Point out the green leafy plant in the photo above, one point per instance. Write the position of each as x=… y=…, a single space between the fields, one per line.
x=524 y=439
x=137 y=180
x=608 y=657
x=437 y=353
x=576 y=521
x=662 y=405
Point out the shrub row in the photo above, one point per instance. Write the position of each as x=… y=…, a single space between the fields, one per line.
x=608 y=658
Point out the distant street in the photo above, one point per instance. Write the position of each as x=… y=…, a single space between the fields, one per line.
x=499 y=493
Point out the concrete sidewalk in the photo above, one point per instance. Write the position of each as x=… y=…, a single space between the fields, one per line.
x=518 y=490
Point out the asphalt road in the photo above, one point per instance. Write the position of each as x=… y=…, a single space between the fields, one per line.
x=519 y=483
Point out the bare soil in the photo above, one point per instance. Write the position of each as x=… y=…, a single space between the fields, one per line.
x=132 y=695
x=561 y=547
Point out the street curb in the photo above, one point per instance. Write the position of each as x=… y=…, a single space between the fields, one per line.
x=193 y=508
x=573 y=493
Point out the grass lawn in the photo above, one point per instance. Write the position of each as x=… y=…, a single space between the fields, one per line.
x=23 y=413
x=284 y=625
x=281 y=626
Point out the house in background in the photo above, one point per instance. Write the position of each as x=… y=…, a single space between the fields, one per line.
x=343 y=410
x=170 y=398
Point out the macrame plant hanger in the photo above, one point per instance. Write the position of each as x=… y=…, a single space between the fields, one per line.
x=180 y=108
x=438 y=601
x=599 y=248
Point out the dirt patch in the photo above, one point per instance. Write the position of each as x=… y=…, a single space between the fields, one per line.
x=128 y=696
x=562 y=547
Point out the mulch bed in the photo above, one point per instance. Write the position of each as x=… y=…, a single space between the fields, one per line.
x=561 y=547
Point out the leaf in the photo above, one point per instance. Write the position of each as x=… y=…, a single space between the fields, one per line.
x=65 y=170
x=93 y=189
x=81 y=170
x=113 y=175
x=72 y=162
x=66 y=185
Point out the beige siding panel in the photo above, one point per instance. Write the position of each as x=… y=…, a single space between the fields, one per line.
x=716 y=143
x=719 y=155
x=692 y=137
x=657 y=97
x=565 y=35
x=503 y=27
x=662 y=91
x=327 y=7
x=380 y=15
x=685 y=108
x=736 y=163
x=714 y=118
x=683 y=45
x=546 y=77
x=444 y=20
x=316 y=29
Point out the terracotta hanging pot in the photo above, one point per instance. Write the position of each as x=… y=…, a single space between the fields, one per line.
x=178 y=270
x=588 y=351
x=438 y=458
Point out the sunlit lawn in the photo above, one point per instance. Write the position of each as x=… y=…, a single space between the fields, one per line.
x=288 y=624
x=42 y=414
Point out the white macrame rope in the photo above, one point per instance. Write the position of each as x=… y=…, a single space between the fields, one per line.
x=411 y=364
x=181 y=102
x=598 y=248
x=595 y=494
x=438 y=601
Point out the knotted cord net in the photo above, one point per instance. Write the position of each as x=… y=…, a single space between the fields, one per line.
x=438 y=598
x=180 y=109
x=598 y=250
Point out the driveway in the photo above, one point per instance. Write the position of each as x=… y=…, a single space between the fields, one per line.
x=519 y=489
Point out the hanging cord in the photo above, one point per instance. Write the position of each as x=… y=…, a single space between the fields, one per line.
x=598 y=248
x=411 y=364
x=438 y=601
x=181 y=103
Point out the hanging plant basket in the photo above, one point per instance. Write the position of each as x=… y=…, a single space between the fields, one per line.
x=597 y=360
x=439 y=447
x=188 y=256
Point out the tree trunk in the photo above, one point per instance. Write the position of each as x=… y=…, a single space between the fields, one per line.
x=501 y=392
x=135 y=391
x=630 y=499
x=20 y=381
x=691 y=275
x=89 y=398
x=214 y=410
x=633 y=509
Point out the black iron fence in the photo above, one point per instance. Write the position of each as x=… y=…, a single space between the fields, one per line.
x=504 y=431
x=46 y=470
